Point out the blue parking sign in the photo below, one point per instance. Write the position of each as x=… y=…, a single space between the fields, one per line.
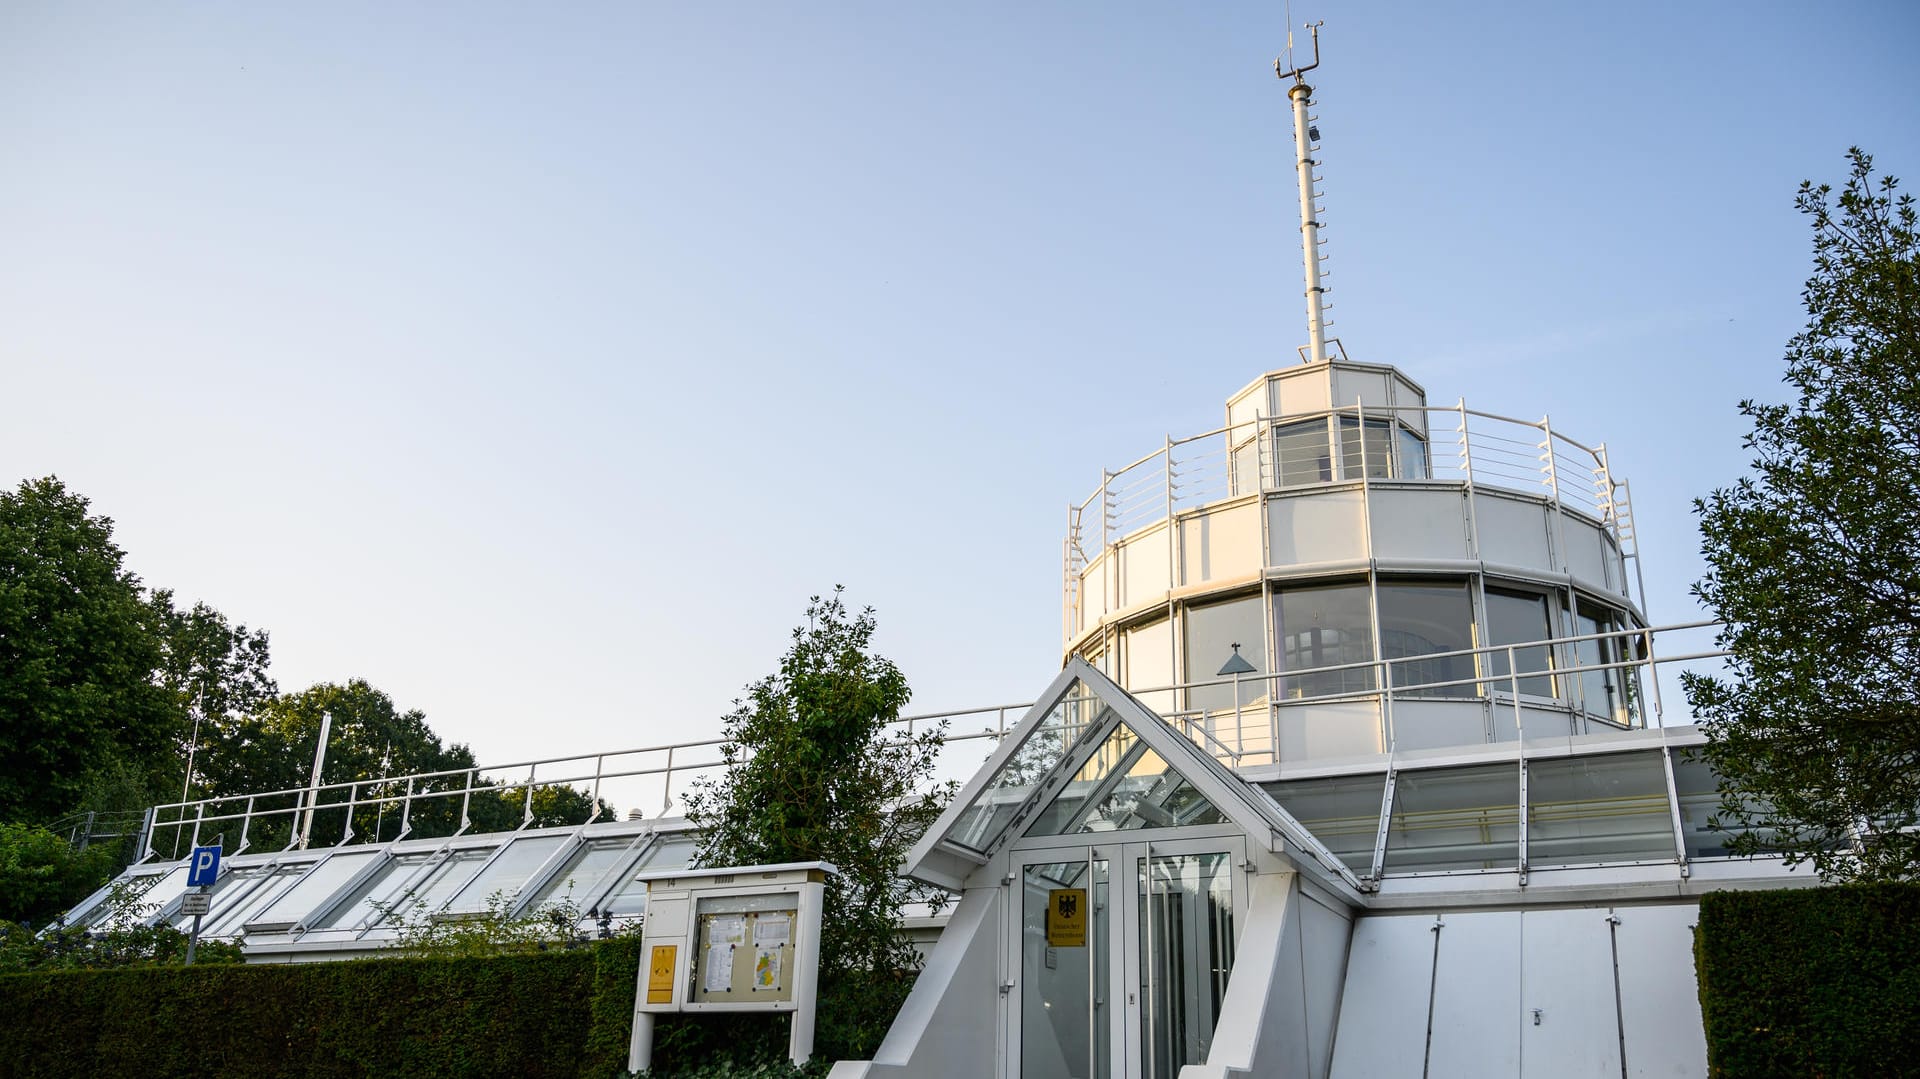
x=203 y=866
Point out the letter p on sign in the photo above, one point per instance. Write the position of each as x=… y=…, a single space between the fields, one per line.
x=203 y=865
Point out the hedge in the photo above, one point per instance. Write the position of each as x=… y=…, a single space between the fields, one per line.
x=1811 y=982
x=561 y=1013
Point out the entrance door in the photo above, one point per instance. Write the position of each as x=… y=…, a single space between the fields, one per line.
x=1120 y=955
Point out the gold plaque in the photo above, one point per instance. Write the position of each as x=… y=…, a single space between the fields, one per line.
x=660 y=974
x=1067 y=918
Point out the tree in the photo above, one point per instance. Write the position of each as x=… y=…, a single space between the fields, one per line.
x=814 y=772
x=1814 y=564
x=214 y=674
x=370 y=739
x=77 y=654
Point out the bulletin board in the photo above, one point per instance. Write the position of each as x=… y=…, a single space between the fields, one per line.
x=745 y=949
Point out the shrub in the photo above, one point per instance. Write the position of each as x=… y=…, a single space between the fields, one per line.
x=1813 y=982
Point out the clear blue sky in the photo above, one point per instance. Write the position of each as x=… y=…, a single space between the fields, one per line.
x=537 y=362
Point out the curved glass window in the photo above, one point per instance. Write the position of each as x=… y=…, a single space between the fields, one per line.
x=1212 y=633
x=1418 y=620
x=1412 y=450
x=1324 y=627
x=1516 y=618
x=1302 y=453
x=1369 y=453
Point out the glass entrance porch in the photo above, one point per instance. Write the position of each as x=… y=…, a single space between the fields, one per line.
x=1118 y=983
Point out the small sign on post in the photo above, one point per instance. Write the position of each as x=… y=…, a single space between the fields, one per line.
x=203 y=869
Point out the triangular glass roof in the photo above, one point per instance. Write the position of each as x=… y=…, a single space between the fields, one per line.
x=1071 y=715
x=1090 y=758
x=1124 y=786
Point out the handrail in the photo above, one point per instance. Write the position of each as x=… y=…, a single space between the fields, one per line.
x=596 y=769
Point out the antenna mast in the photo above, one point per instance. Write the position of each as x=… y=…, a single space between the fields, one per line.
x=1306 y=138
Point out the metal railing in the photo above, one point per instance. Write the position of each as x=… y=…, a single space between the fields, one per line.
x=1461 y=445
x=1251 y=739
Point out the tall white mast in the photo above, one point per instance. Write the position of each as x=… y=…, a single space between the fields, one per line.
x=1304 y=138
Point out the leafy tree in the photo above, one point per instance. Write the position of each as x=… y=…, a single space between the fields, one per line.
x=214 y=674
x=815 y=773
x=77 y=654
x=371 y=739
x=41 y=874
x=1814 y=564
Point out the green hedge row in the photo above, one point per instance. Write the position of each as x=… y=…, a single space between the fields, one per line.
x=562 y=1013
x=1811 y=982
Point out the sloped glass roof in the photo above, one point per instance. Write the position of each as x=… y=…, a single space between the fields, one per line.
x=1076 y=711
x=1124 y=785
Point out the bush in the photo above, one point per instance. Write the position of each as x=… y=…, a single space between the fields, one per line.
x=1814 y=982
x=42 y=875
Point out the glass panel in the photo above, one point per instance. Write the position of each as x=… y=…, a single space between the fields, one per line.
x=981 y=823
x=506 y=874
x=1321 y=627
x=1377 y=447
x=1699 y=790
x=309 y=893
x=164 y=891
x=1301 y=453
x=1610 y=808
x=674 y=851
x=1245 y=471
x=137 y=887
x=1342 y=812
x=1118 y=751
x=1515 y=618
x=1131 y=787
x=1413 y=455
x=1416 y=620
x=1064 y=1007
x=1455 y=818
x=1186 y=945
x=447 y=878
x=227 y=920
x=374 y=893
x=1213 y=631
x=585 y=872
x=1606 y=693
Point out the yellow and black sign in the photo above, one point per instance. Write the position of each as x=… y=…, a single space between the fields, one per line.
x=1067 y=918
x=660 y=974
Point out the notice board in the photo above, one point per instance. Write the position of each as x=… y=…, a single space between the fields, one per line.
x=744 y=950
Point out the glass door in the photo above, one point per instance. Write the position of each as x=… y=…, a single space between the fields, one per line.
x=1120 y=982
x=1184 y=928
x=1062 y=987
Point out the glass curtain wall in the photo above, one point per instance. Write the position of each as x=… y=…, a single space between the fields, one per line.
x=1517 y=618
x=1323 y=627
x=1419 y=620
x=1212 y=631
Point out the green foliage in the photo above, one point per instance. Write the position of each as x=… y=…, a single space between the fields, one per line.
x=522 y=1015
x=214 y=674
x=104 y=948
x=815 y=773
x=1814 y=567
x=77 y=654
x=494 y=930
x=1811 y=982
x=42 y=875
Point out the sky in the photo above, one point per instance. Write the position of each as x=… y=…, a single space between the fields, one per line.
x=536 y=363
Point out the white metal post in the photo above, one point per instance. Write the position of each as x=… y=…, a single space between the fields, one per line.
x=1302 y=96
x=313 y=784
